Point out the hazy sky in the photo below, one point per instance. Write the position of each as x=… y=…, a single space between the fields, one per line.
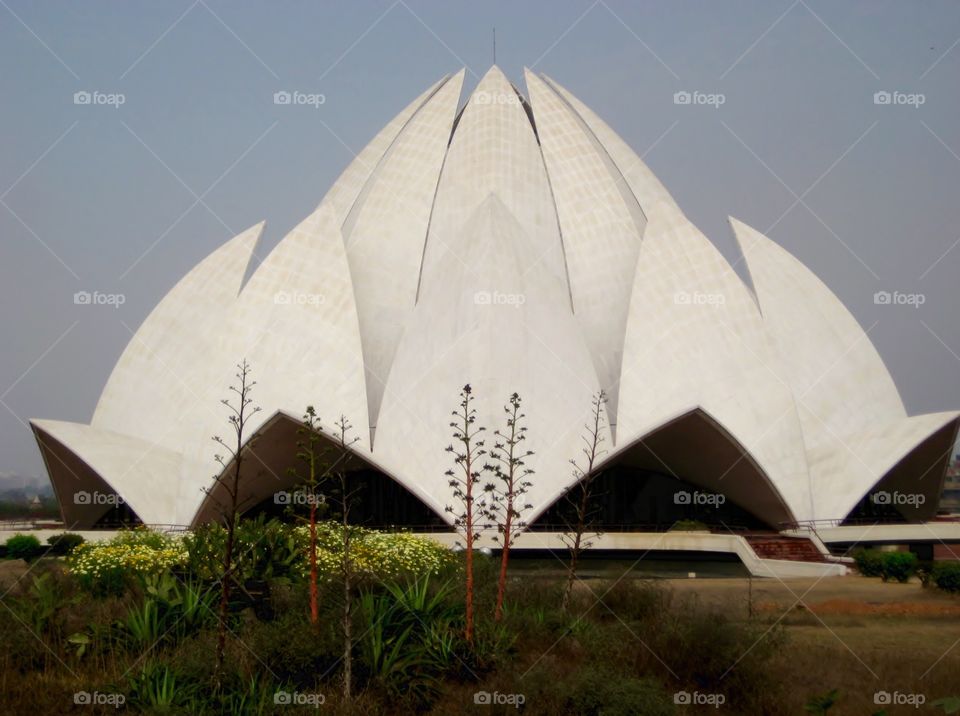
x=126 y=199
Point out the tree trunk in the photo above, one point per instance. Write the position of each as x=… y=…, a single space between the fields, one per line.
x=469 y=606
x=504 y=558
x=314 y=606
x=347 y=616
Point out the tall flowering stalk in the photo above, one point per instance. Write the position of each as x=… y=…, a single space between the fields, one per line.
x=241 y=410
x=467 y=449
x=507 y=497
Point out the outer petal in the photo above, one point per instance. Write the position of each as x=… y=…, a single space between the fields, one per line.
x=695 y=338
x=386 y=230
x=155 y=389
x=84 y=462
x=601 y=224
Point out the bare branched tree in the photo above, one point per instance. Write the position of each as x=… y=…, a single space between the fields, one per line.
x=507 y=496
x=467 y=450
x=579 y=496
x=241 y=409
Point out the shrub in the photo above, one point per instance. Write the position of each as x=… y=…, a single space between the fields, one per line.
x=898 y=565
x=869 y=562
x=597 y=691
x=107 y=567
x=946 y=575
x=592 y=690
x=688 y=526
x=25 y=547
x=64 y=543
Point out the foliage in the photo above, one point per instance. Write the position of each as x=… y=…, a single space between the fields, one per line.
x=946 y=575
x=887 y=565
x=823 y=703
x=108 y=567
x=155 y=688
x=949 y=704
x=263 y=550
x=411 y=637
x=25 y=547
x=64 y=543
x=270 y=549
x=688 y=526
x=382 y=556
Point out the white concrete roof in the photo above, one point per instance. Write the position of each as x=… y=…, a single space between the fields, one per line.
x=516 y=246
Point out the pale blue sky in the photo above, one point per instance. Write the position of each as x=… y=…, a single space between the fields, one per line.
x=103 y=198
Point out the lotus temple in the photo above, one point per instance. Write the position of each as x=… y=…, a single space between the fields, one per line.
x=510 y=240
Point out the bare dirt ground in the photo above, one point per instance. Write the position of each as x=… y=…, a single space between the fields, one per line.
x=853 y=595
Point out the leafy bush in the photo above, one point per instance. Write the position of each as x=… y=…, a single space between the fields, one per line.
x=869 y=562
x=898 y=565
x=688 y=526
x=410 y=638
x=598 y=692
x=380 y=555
x=946 y=575
x=593 y=690
x=25 y=547
x=107 y=567
x=64 y=543
x=155 y=688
